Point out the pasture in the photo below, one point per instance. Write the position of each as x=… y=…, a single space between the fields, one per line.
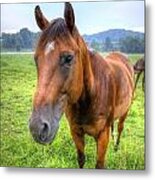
x=18 y=80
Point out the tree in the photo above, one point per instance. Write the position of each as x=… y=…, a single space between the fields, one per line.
x=108 y=45
x=24 y=39
x=26 y=36
x=132 y=45
x=95 y=45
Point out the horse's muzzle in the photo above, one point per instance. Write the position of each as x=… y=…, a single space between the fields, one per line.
x=44 y=123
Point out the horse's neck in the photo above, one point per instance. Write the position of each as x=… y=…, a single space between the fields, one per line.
x=88 y=76
x=92 y=64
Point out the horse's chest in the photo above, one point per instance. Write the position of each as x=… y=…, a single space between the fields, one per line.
x=83 y=118
x=90 y=122
x=94 y=128
x=83 y=112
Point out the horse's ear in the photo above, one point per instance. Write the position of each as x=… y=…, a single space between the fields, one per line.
x=69 y=16
x=40 y=19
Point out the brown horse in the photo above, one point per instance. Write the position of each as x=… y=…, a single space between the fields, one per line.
x=92 y=91
x=139 y=68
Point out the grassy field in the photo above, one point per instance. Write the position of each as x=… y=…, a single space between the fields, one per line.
x=18 y=79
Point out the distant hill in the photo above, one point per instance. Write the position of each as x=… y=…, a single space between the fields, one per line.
x=114 y=34
x=114 y=39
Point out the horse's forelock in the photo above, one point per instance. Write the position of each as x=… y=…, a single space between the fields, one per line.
x=57 y=30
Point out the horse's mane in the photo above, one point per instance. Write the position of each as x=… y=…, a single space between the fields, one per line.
x=57 y=30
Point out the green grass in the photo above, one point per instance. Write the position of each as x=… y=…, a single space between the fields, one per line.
x=18 y=79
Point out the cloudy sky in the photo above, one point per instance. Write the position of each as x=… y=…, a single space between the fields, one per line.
x=91 y=17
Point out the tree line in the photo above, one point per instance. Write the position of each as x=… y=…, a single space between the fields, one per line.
x=26 y=40
x=127 y=45
x=22 y=40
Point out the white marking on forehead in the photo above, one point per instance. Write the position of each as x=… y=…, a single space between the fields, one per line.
x=49 y=47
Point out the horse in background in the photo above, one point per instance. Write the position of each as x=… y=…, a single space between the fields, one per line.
x=90 y=90
x=139 y=68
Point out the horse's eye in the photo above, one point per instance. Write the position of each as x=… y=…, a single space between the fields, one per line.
x=66 y=59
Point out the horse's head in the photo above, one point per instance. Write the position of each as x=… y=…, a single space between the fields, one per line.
x=59 y=71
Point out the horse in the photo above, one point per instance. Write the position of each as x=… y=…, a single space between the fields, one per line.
x=139 y=68
x=91 y=90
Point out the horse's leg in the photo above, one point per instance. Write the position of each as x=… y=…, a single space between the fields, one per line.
x=137 y=78
x=112 y=130
x=120 y=129
x=78 y=138
x=143 y=83
x=102 y=143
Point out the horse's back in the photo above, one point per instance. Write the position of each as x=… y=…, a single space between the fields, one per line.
x=123 y=75
x=121 y=60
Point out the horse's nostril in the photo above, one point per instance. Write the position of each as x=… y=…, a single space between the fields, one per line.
x=44 y=131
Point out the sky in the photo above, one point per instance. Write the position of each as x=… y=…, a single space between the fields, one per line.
x=90 y=17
